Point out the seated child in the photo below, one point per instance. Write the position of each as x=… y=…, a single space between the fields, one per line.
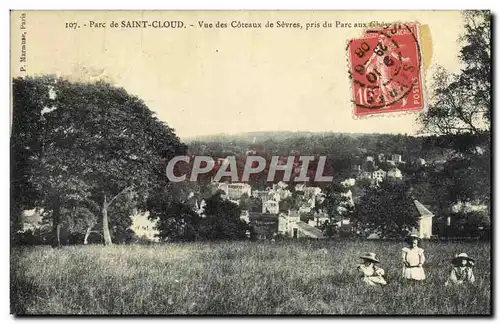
x=372 y=275
x=462 y=270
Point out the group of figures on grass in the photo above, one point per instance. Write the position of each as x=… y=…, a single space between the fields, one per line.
x=413 y=260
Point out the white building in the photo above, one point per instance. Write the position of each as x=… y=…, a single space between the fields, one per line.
x=343 y=222
x=280 y=189
x=222 y=186
x=395 y=173
x=300 y=187
x=261 y=194
x=348 y=182
x=425 y=220
x=397 y=158
x=285 y=194
x=236 y=190
x=200 y=207
x=287 y=222
x=379 y=175
x=282 y=223
x=270 y=206
x=290 y=225
x=304 y=209
x=308 y=191
x=421 y=162
x=369 y=159
x=273 y=195
x=245 y=216
x=468 y=207
x=365 y=175
x=280 y=186
x=144 y=227
x=348 y=196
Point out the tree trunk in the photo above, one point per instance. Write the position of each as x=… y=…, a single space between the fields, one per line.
x=59 y=234
x=105 y=224
x=56 y=218
x=87 y=234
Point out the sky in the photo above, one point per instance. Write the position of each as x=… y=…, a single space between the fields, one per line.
x=232 y=80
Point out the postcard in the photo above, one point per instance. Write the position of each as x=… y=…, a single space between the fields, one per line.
x=250 y=163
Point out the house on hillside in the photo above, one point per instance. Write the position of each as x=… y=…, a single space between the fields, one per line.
x=290 y=225
x=365 y=175
x=305 y=209
x=199 y=208
x=236 y=190
x=394 y=174
x=425 y=220
x=280 y=186
x=308 y=191
x=397 y=158
x=379 y=175
x=261 y=194
x=349 y=201
x=245 y=216
x=348 y=182
x=270 y=207
x=421 y=162
x=265 y=226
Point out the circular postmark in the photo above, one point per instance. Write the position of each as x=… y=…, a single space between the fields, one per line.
x=385 y=66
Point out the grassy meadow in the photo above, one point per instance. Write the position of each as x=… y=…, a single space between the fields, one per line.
x=290 y=277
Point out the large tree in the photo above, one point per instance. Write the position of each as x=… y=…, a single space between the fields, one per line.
x=222 y=220
x=174 y=208
x=333 y=201
x=459 y=113
x=336 y=205
x=387 y=210
x=44 y=170
x=92 y=142
x=461 y=102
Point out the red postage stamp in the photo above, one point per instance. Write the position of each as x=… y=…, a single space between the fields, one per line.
x=384 y=67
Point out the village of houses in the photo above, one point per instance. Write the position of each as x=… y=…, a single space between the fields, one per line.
x=268 y=220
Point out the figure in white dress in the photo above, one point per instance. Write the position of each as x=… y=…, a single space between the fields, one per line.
x=372 y=274
x=413 y=260
x=462 y=270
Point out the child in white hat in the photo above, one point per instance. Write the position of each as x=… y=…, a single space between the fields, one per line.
x=413 y=260
x=372 y=274
x=462 y=270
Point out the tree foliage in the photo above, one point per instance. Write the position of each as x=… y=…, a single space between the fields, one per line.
x=387 y=210
x=79 y=144
x=178 y=221
x=222 y=220
x=460 y=113
x=336 y=205
x=461 y=102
